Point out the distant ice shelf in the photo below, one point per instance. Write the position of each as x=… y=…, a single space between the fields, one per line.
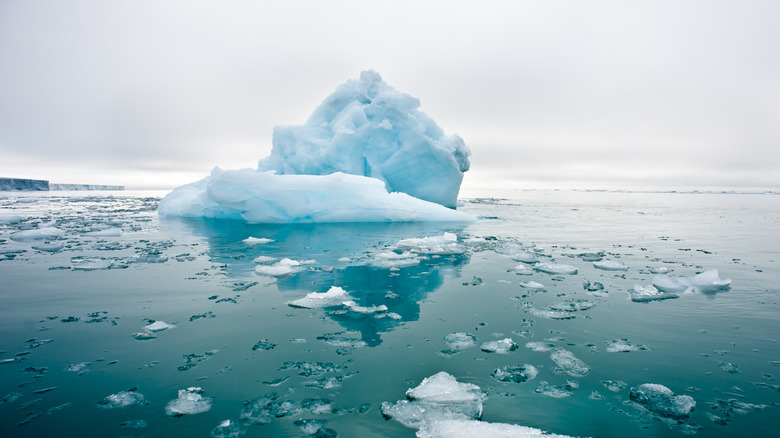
x=40 y=185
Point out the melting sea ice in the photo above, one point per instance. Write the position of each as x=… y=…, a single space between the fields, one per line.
x=575 y=313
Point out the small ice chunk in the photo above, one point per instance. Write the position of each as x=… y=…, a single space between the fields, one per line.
x=264 y=260
x=661 y=400
x=708 y=281
x=190 y=401
x=541 y=347
x=649 y=293
x=659 y=270
x=524 y=257
x=447 y=243
x=140 y=336
x=502 y=346
x=48 y=247
x=623 y=346
x=568 y=363
x=90 y=263
x=610 y=265
x=460 y=341
x=555 y=268
x=532 y=285
x=122 y=399
x=394 y=260
x=515 y=373
x=354 y=307
x=7 y=219
x=551 y=314
x=522 y=270
x=282 y=268
x=43 y=233
x=256 y=240
x=227 y=429
x=158 y=326
x=444 y=388
x=264 y=409
x=557 y=391
x=335 y=296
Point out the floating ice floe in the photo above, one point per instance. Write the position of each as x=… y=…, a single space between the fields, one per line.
x=708 y=281
x=515 y=373
x=122 y=399
x=282 y=268
x=362 y=310
x=568 y=363
x=48 y=247
x=460 y=341
x=649 y=293
x=522 y=270
x=557 y=391
x=264 y=260
x=9 y=219
x=190 y=401
x=660 y=400
x=533 y=285
x=158 y=326
x=335 y=296
x=555 y=268
x=551 y=314
x=475 y=428
x=392 y=260
x=610 y=265
x=90 y=263
x=659 y=270
x=256 y=240
x=366 y=154
x=502 y=346
x=542 y=347
x=44 y=233
x=264 y=409
x=438 y=397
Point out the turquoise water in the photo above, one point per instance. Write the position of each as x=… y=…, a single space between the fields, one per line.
x=68 y=316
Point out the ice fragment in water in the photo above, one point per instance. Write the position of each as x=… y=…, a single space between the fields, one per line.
x=623 y=346
x=522 y=270
x=502 y=346
x=264 y=409
x=256 y=240
x=659 y=270
x=649 y=293
x=335 y=296
x=573 y=305
x=263 y=344
x=362 y=310
x=90 y=263
x=48 y=247
x=190 y=401
x=122 y=399
x=610 y=265
x=282 y=268
x=661 y=400
x=568 y=363
x=516 y=373
x=265 y=260
x=540 y=346
x=444 y=244
x=460 y=341
x=143 y=336
x=708 y=281
x=532 y=285
x=438 y=397
x=557 y=391
x=475 y=428
x=227 y=429
x=108 y=232
x=555 y=268
x=551 y=314
x=158 y=326
x=44 y=233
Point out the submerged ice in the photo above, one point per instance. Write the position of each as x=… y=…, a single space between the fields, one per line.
x=366 y=154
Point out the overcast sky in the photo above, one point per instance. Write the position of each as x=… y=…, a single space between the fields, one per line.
x=588 y=94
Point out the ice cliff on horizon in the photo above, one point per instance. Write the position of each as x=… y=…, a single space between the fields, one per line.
x=366 y=154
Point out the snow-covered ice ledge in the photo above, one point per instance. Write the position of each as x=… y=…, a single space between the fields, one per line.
x=366 y=154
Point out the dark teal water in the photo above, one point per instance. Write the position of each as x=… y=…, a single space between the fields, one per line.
x=719 y=348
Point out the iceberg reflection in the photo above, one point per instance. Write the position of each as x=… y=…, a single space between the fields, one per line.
x=387 y=269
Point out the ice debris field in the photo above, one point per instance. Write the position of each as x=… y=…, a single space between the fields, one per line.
x=335 y=291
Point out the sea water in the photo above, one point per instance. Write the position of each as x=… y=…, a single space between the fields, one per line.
x=121 y=324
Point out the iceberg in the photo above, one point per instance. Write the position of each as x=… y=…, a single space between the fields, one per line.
x=366 y=154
